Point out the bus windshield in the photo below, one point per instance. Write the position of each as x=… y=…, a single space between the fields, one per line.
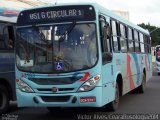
x=56 y=48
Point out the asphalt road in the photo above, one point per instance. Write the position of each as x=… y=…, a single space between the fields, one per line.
x=147 y=104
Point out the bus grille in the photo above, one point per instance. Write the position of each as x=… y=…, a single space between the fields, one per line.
x=59 y=89
x=55 y=98
x=55 y=81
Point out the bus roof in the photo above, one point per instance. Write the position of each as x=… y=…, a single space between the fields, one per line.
x=99 y=8
x=121 y=19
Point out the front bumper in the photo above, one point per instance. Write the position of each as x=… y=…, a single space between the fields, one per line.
x=59 y=100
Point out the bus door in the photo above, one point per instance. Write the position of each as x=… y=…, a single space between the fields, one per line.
x=107 y=67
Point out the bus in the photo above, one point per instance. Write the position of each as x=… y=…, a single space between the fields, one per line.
x=79 y=55
x=7 y=62
x=157 y=58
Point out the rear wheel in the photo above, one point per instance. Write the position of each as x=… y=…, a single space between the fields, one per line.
x=142 y=87
x=113 y=106
x=4 y=99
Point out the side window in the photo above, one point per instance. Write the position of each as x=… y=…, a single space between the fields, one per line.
x=130 y=40
x=6 y=37
x=136 y=41
x=123 y=38
x=147 y=45
x=2 y=37
x=142 y=43
x=116 y=46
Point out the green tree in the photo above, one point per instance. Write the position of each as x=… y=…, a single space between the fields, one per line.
x=155 y=36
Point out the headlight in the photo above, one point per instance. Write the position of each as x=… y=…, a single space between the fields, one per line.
x=90 y=84
x=23 y=86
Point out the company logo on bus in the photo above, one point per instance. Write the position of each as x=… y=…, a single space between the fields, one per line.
x=54 y=89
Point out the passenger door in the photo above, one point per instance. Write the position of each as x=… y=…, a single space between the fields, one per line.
x=107 y=67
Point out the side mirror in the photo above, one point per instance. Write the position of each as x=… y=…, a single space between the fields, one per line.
x=106 y=57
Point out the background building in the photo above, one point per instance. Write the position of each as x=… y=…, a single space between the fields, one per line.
x=124 y=14
x=21 y=3
x=9 y=9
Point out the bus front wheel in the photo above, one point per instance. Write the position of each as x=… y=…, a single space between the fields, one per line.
x=4 y=99
x=113 y=106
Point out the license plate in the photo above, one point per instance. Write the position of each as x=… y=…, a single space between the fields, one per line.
x=87 y=99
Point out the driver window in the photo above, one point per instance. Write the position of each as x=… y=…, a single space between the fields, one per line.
x=104 y=36
x=11 y=37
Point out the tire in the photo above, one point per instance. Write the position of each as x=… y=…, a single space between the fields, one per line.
x=53 y=109
x=114 y=105
x=4 y=99
x=142 y=87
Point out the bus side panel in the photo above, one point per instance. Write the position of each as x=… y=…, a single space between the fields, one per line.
x=120 y=69
x=108 y=83
x=131 y=68
x=137 y=66
x=127 y=71
x=7 y=71
x=127 y=65
x=148 y=66
x=131 y=71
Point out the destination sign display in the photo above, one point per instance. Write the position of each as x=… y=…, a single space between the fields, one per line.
x=56 y=14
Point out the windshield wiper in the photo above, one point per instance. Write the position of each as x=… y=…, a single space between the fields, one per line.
x=41 y=35
x=61 y=39
x=21 y=45
x=67 y=32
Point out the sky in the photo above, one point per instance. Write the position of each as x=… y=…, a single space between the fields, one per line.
x=140 y=11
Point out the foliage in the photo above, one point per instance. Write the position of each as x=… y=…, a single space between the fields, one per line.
x=155 y=35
